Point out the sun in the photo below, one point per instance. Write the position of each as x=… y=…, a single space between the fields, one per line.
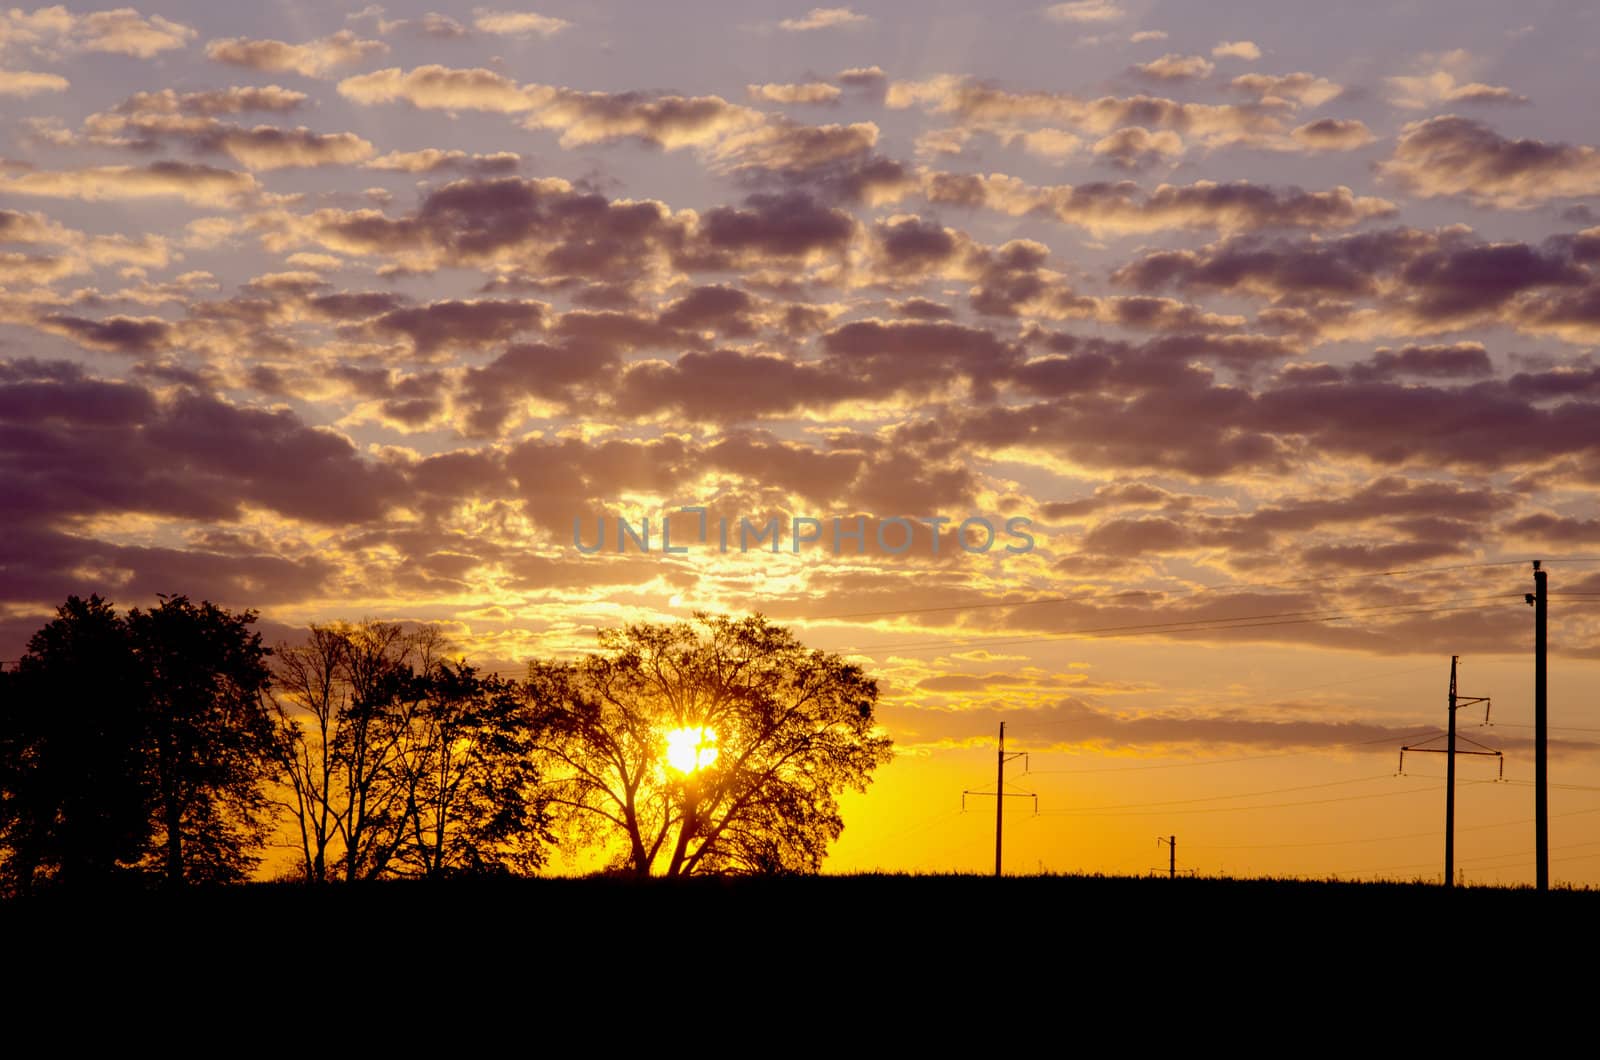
x=691 y=748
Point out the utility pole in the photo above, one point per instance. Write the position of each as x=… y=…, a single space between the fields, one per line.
x=1172 y=855
x=1001 y=794
x=1540 y=599
x=1455 y=702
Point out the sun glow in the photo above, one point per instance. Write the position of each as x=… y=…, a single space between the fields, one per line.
x=691 y=748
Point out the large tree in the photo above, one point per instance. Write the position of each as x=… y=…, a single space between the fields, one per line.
x=210 y=743
x=719 y=746
x=74 y=793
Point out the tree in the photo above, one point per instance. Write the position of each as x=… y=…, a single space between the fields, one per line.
x=470 y=778
x=714 y=747
x=211 y=743
x=344 y=701
x=401 y=763
x=310 y=701
x=74 y=797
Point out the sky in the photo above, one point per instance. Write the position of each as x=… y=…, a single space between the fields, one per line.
x=1182 y=386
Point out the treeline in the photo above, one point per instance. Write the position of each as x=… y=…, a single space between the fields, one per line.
x=171 y=744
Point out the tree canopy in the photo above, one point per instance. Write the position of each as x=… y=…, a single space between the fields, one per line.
x=137 y=740
x=716 y=746
x=400 y=762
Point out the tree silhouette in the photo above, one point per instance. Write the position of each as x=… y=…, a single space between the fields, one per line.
x=211 y=740
x=345 y=700
x=400 y=763
x=471 y=782
x=716 y=747
x=73 y=790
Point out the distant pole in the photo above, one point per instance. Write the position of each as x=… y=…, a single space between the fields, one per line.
x=1452 y=748
x=999 y=800
x=1450 y=786
x=1172 y=855
x=1541 y=731
x=1001 y=794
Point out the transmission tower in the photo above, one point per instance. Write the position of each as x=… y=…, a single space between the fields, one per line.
x=1001 y=794
x=1456 y=702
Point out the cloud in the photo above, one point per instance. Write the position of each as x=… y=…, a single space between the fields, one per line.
x=1047 y=143
x=1333 y=134
x=986 y=107
x=823 y=18
x=109 y=447
x=665 y=121
x=1175 y=67
x=517 y=23
x=198 y=185
x=1445 y=77
x=792 y=225
x=547 y=227
x=812 y=92
x=1237 y=49
x=458 y=325
x=431 y=25
x=1418 y=93
x=24 y=83
x=433 y=160
x=211 y=102
x=1300 y=88
x=1084 y=11
x=144 y=120
x=1397 y=281
x=435 y=87
x=264 y=148
x=1117 y=208
x=1147 y=35
x=1136 y=148
x=1462 y=360
x=861 y=76
x=119 y=334
x=1453 y=156
x=317 y=58
x=122 y=31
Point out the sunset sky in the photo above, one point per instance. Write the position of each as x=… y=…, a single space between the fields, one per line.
x=1277 y=320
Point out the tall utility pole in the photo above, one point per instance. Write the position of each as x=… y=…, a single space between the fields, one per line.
x=1540 y=599
x=1172 y=855
x=1001 y=794
x=1450 y=751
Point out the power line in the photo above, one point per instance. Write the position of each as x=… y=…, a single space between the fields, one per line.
x=1235 y=809
x=1226 y=761
x=1238 y=795
x=1514 y=822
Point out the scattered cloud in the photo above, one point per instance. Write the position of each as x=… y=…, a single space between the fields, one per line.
x=122 y=31
x=1453 y=156
x=811 y=92
x=1085 y=11
x=517 y=23
x=317 y=58
x=26 y=83
x=1237 y=49
x=823 y=18
x=1175 y=67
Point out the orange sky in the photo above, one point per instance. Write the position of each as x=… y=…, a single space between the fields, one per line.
x=1278 y=334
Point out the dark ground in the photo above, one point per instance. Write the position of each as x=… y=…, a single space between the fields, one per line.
x=942 y=945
